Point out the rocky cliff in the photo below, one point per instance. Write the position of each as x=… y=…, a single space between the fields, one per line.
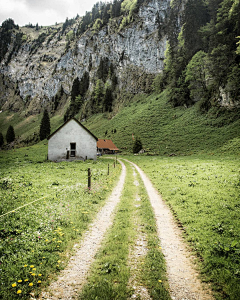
x=48 y=60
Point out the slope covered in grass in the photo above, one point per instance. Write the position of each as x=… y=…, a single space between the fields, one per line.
x=166 y=130
x=162 y=129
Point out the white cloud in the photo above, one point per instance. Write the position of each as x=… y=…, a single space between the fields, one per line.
x=43 y=12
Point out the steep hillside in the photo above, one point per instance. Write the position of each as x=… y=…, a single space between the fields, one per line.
x=166 y=130
x=162 y=129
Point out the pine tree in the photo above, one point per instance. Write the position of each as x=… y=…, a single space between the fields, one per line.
x=10 y=136
x=98 y=93
x=1 y=140
x=45 y=127
x=108 y=99
x=75 y=89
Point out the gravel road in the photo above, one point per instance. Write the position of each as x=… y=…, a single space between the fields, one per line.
x=182 y=275
x=72 y=279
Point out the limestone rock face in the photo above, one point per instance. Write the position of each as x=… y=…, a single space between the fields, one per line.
x=44 y=63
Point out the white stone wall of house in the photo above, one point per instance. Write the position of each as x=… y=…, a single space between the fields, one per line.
x=72 y=133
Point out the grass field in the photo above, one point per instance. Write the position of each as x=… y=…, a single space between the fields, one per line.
x=204 y=195
x=36 y=240
x=200 y=183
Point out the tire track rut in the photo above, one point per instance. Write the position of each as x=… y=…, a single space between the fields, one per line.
x=182 y=276
x=73 y=277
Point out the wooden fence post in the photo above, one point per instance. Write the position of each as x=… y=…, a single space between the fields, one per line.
x=89 y=178
x=108 y=169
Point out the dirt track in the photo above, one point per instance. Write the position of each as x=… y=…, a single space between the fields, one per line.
x=74 y=276
x=183 y=278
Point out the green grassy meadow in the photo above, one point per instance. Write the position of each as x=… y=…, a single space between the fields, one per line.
x=44 y=209
x=203 y=193
x=192 y=159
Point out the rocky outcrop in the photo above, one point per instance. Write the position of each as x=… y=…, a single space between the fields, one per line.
x=48 y=62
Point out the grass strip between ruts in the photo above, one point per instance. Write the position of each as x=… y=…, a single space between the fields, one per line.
x=154 y=267
x=110 y=272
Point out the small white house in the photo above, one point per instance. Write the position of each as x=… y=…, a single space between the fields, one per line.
x=72 y=141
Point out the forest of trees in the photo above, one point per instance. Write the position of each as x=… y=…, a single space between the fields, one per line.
x=102 y=12
x=203 y=57
x=6 y=36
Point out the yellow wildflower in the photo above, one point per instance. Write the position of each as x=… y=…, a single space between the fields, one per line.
x=159 y=280
x=39 y=275
x=32 y=266
x=26 y=280
x=14 y=284
x=20 y=281
x=25 y=266
x=30 y=284
x=19 y=292
x=39 y=281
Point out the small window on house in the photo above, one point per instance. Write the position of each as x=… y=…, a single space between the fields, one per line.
x=73 y=149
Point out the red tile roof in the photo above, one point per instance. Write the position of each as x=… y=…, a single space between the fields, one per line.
x=106 y=144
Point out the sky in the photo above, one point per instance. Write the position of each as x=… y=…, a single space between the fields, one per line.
x=43 y=12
